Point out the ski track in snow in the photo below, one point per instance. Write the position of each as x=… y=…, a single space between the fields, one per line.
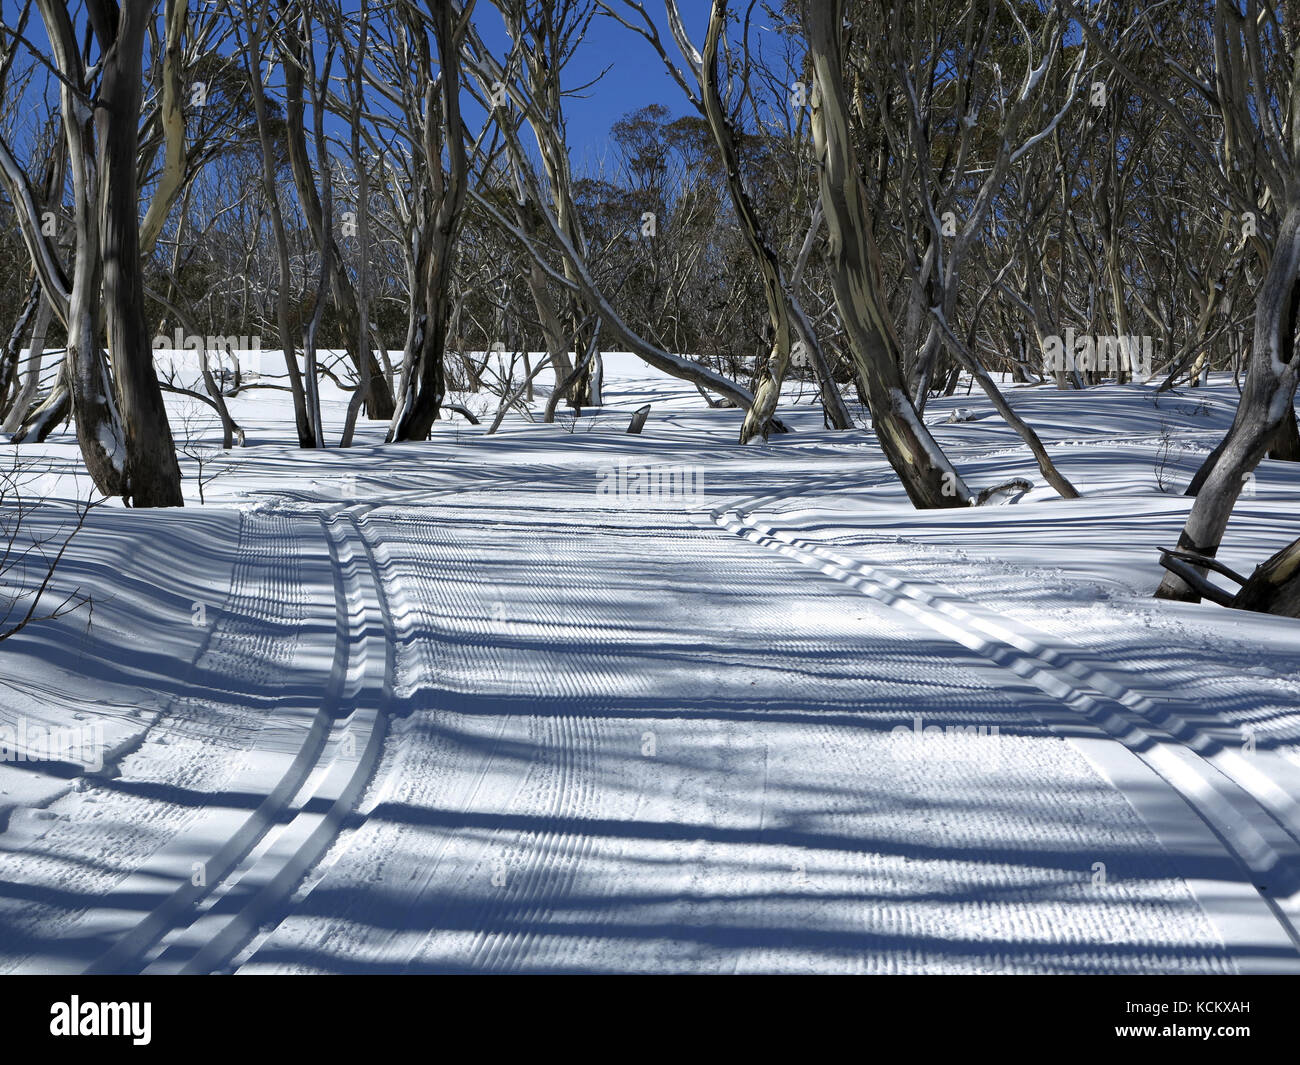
x=182 y=761
x=677 y=894
x=467 y=719
x=1249 y=805
x=325 y=780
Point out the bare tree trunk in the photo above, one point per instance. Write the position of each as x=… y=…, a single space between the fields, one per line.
x=767 y=390
x=562 y=384
x=1022 y=428
x=288 y=341
x=426 y=387
x=1286 y=442
x=557 y=344
x=153 y=477
x=1268 y=395
x=99 y=428
x=928 y=477
x=13 y=349
x=837 y=413
x=379 y=403
x=31 y=380
x=357 y=82
x=172 y=118
x=51 y=412
x=328 y=251
x=1274 y=587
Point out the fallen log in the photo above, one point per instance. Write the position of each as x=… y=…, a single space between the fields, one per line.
x=1273 y=588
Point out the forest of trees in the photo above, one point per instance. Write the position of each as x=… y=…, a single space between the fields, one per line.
x=881 y=198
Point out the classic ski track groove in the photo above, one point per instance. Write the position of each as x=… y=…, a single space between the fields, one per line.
x=344 y=744
x=499 y=930
x=1253 y=819
x=407 y=769
x=263 y=850
x=279 y=583
x=503 y=925
x=256 y=870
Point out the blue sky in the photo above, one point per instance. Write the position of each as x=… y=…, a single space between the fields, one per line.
x=636 y=75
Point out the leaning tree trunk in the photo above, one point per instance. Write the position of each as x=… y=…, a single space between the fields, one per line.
x=557 y=344
x=926 y=474
x=1266 y=399
x=31 y=379
x=50 y=413
x=767 y=389
x=835 y=412
x=13 y=350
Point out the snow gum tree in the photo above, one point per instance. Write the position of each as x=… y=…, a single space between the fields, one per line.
x=928 y=477
x=117 y=403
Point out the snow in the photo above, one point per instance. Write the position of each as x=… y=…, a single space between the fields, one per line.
x=449 y=707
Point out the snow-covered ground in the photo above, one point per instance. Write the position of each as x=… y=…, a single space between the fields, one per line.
x=489 y=703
